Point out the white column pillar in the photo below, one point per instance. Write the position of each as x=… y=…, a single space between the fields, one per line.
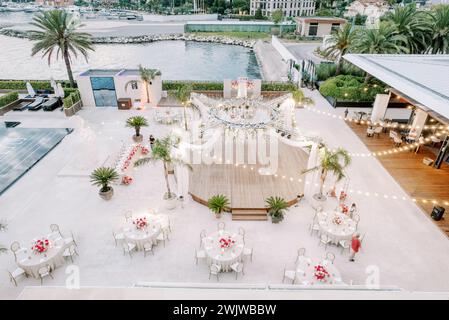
x=380 y=107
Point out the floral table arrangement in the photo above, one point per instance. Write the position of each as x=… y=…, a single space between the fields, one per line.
x=127 y=180
x=337 y=220
x=344 y=208
x=40 y=246
x=321 y=273
x=226 y=243
x=343 y=196
x=144 y=150
x=141 y=223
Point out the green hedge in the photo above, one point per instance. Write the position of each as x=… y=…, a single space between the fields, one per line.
x=8 y=98
x=278 y=86
x=72 y=98
x=196 y=85
x=351 y=88
x=325 y=71
x=36 y=84
x=204 y=86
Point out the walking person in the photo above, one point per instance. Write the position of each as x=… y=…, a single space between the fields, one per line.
x=355 y=246
x=152 y=139
x=346 y=113
x=352 y=210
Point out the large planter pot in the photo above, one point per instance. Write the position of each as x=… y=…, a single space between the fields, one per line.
x=138 y=138
x=276 y=219
x=218 y=215
x=319 y=197
x=171 y=202
x=170 y=168
x=106 y=195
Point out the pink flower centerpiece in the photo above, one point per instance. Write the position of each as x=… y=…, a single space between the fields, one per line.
x=337 y=220
x=226 y=243
x=141 y=223
x=321 y=273
x=127 y=180
x=344 y=208
x=40 y=246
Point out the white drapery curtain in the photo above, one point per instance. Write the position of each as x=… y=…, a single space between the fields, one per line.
x=312 y=177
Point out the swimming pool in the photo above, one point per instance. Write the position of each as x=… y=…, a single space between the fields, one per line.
x=22 y=148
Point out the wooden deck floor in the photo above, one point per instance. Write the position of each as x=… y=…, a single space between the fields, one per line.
x=418 y=180
x=246 y=188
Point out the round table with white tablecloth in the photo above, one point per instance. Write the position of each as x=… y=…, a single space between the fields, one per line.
x=306 y=272
x=31 y=262
x=167 y=117
x=224 y=257
x=141 y=236
x=337 y=226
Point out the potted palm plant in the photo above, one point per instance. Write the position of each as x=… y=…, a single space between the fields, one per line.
x=147 y=76
x=183 y=95
x=331 y=161
x=137 y=123
x=102 y=177
x=162 y=151
x=217 y=204
x=276 y=207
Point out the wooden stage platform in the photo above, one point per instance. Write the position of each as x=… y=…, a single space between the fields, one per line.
x=246 y=188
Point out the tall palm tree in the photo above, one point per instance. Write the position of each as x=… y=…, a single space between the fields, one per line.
x=440 y=30
x=339 y=44
x=163 y=151
x=331 y=161
x=413 y=24
x=183 y=95
x=148 y=75
x=384 y=40
x=57 y=33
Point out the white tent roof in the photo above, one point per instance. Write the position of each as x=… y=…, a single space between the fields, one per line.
x=423 y=78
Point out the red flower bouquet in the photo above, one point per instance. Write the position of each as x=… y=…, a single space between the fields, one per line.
x=321 y=273
x=141 y=223
x=144 y=150
x=343 y=196
x=337 y=220
x=226 y=243
x=344 y=208
x=127 y=180
x=40 y=246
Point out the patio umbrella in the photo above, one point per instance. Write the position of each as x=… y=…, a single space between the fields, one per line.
x=54 y=85
x=60 y=91
x=30 y=90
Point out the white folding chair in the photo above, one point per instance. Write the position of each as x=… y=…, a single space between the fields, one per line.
x=345 y=245
x=199 y=254
x=54 y=228
x=237 y=267
x=324 y=239
x=148 y=247
x=203 y=235
x=221 y=226
x=214 y=269
x=314 y=227
x=242 y=233
x=248 y=252
x=301 y=254
x=162 y=237
x=128 y=248
x=330 y=257
x=16 y=249
x=128 y=215
x=70 y=239
x=44 y=271
x=289 y=274
x=118 y=237
x=70 y=252
x=16 y=275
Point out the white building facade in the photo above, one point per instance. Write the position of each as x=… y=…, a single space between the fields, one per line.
x=372 y=9
x=290 y=8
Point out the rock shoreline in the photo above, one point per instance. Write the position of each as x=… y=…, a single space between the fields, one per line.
x=149 y=38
